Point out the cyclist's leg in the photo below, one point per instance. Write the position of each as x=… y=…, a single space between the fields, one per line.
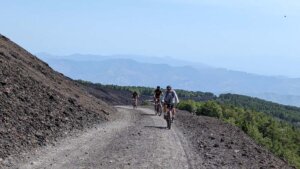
x=160 y=106
x=165 y=111
x=170 y=110
x=157 y=105
x=133 y=103
x=173 y=111
x=154 y=100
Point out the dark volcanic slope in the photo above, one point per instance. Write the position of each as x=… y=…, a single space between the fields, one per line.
x=222 y=145
x=37 y=104
x=111 y=96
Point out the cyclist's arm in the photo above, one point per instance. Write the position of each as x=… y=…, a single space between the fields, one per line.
x=163 y=98
x=176 y=98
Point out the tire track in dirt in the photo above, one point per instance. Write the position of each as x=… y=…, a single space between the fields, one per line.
x=138 y=139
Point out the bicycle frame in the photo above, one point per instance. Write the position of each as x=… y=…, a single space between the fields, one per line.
x=134 y=103
x=168 y=117
x=157 y=106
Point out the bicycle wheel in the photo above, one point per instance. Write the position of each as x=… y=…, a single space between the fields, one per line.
x=134 y=104
x=169 y=120
x=159 y=110
x=156 y=109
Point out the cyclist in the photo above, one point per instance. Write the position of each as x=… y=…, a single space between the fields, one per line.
x=170 y=100
x=156 y=97
x=135 y=96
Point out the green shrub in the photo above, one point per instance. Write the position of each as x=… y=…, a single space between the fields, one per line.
x=187 y=105
x=211 y=109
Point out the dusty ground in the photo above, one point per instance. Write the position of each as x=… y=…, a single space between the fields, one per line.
x=138 y=139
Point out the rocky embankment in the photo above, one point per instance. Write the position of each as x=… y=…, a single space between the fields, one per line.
x=39 y=105
x=221 y=145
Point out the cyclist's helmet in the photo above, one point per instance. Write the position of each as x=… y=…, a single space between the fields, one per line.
x=169 y=87
x=158 y=87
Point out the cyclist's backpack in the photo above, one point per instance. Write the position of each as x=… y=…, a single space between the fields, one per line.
x=170 y=97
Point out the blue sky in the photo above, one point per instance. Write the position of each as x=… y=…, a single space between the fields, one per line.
x=247 y=35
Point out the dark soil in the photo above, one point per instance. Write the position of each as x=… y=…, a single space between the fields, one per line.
x=39 y=105
x=222 y=145
x=113 y=97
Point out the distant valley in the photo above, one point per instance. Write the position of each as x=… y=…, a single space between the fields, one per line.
x=152 y=71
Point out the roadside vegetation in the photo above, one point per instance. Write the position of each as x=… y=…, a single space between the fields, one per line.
x=281 y=138
x=148 y=91
x=290 y=114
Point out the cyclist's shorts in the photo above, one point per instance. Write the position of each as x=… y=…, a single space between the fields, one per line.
x=170 y=106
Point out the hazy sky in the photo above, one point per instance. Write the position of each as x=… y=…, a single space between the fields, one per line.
x=249 y=35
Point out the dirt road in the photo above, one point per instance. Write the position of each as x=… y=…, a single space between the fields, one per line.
x=138 y=139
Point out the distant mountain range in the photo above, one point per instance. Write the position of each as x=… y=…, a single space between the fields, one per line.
x=153 y=71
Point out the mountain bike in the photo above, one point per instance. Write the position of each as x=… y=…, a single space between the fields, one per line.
x=157 y=107
x=168 y=115
x=134 y=103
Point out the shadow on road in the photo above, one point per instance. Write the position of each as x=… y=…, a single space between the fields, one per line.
x=145 y=114
x=157 y=127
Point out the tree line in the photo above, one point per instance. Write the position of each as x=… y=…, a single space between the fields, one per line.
x=289 y=114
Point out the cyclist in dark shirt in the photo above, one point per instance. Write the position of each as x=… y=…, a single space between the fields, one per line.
x=135 y=96
x=157 y=93
x=157 y=105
